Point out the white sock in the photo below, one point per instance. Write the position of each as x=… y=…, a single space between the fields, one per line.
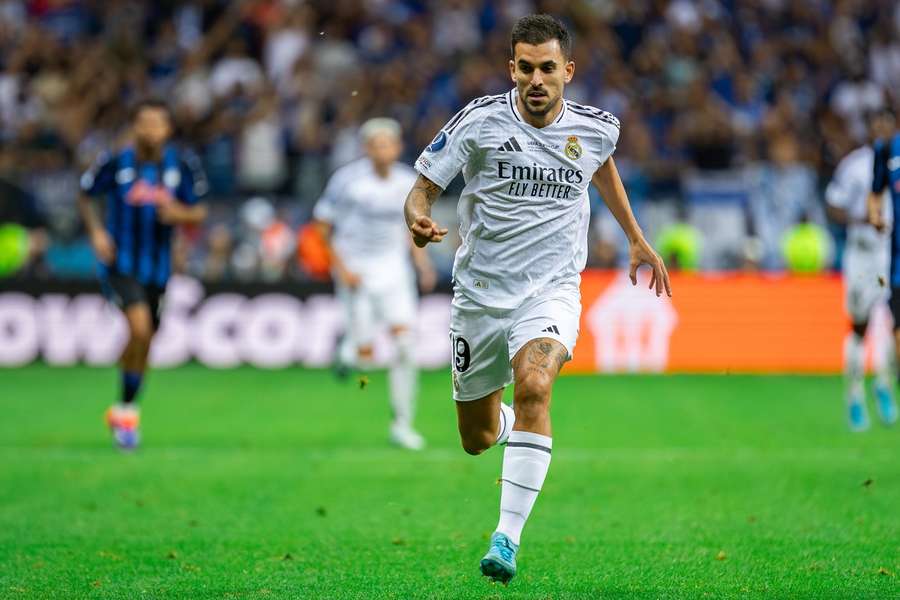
x=525 y=463
x=854 y=357
x=887 y=372
x=403 y=380
x=507 y=420
x=347 y=351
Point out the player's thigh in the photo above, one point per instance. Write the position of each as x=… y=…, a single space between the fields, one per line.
x=137 y=302
x=864 y=286
x=396 y=306
x=480 y=361
x=554 y=316
x=542 y=339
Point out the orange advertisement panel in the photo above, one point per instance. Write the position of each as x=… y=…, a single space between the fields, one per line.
x=717 y=323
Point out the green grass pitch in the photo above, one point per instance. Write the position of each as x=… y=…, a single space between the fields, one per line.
x=255 y=484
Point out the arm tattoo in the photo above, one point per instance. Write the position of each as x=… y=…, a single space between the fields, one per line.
x=420 y=198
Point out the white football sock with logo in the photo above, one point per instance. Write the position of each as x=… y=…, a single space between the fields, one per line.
x=403 y=378
x=854 y=357
x=525 y=464
x=887 y=370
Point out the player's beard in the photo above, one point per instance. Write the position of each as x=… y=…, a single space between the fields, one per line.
x=551 y=104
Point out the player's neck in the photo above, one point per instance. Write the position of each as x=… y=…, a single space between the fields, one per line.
x=538 y=121
x=383 y=171
x=148 y=153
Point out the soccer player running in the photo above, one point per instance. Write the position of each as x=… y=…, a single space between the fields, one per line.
x=886 y=176
x=866 y=261
x=149 y=187
x=360 y=214
x=527 y=157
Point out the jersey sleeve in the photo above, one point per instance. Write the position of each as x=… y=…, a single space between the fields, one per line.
x=193 y=185
x=609 y=137
x=327 y=207
x=880 y=171
x=100 y=178
x=451 y=148
x=839 y=190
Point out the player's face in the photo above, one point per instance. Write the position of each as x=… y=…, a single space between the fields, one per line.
x=882 y=126
x=540 y=73
x=384 y=149
x=152 y=127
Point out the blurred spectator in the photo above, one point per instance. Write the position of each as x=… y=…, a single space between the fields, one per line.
x=755 y=98
x=785 y=194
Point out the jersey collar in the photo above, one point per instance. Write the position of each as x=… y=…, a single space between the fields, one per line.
x=514 y=107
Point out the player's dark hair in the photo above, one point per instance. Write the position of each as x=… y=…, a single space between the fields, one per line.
x=537 y=29
x=157 y=103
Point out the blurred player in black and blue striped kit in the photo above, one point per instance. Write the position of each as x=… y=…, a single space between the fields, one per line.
x=150 y=186
x=886 y=176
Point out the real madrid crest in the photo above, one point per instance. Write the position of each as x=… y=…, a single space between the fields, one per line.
x=573 y=148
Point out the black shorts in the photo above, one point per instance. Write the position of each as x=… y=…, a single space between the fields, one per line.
x=125 y=291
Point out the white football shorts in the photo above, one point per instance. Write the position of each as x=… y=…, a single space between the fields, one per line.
x=377 y=303
x=485 y=340
x=865 y=281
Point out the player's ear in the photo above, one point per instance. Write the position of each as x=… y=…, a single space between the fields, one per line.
x=512 y=70
x=570 y=71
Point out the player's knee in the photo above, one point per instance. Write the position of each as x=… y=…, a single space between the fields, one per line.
x=533 y=388
x=365 y=352
x=141 y=333
x=477 y=441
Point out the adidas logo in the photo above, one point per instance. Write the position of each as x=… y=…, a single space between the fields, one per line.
x=551 y=329
x=511 y=145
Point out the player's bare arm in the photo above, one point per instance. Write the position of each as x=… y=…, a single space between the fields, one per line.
x=424 y=269
x=417 y=210
x=179 y=213
x=609 y=184
x=839 y=216
x=876 y=215
x=345 y=275
x=102 y=243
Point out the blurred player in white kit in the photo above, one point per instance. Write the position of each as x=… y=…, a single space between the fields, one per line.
x=361 y=215
x=866 y=263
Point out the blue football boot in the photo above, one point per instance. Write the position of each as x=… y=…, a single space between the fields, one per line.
x=123 y=422
x=500 y=561
x=887 y=407
x=858 y=416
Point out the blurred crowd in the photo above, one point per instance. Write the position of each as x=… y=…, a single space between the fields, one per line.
x=734 y=112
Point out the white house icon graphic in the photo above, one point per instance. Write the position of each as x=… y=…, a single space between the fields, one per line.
x=631 y=327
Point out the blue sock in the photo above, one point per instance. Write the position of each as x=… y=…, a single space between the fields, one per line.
x=131 y=383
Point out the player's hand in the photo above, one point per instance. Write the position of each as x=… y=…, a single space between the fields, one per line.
x=875 y=214
x=425 y=230
x=104 y=246
x=169 y=213
x=349 y=279
x=643 y=254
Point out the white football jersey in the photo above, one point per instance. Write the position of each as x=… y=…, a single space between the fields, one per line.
x=366 y=212
x=524 y=211
x=849 y=190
